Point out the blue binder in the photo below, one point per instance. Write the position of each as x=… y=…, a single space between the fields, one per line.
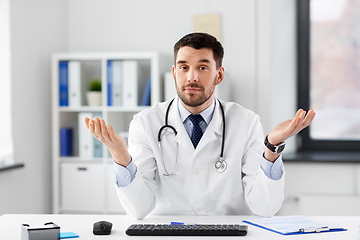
x=109 y=83
x=146 y=98
x=66 y=142
x=63 y=83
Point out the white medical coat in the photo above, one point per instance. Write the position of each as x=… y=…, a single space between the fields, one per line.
x=197 y=188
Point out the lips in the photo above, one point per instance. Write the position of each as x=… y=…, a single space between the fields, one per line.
x=192 y=90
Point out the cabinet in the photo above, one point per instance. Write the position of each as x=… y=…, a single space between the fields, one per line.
x=83 y=179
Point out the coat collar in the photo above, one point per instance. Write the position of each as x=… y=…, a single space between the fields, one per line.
x=213 y=131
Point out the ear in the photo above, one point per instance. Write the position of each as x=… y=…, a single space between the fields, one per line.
x=173 y=71
x=220 y=75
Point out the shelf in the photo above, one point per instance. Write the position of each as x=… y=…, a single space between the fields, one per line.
x=100 y=109
x=80 y=109
x=350 y=157
x=75 y=177
x=11 y=167
x=80 y=160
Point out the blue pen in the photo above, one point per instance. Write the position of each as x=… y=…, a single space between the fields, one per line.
x=182 y=223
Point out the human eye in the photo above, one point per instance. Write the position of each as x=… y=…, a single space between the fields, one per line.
x=183 y=67
x=203 y=68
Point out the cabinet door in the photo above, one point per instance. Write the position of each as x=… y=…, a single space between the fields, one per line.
x=82 y=187
x=113 y=204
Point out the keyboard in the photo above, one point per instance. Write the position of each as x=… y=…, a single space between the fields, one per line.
x=187 y=230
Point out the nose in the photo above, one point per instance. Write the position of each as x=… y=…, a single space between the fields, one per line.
x=192 y=76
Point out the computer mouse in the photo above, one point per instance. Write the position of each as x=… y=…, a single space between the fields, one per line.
x=102 y=228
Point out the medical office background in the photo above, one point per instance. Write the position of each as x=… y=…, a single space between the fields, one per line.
x=259 y=38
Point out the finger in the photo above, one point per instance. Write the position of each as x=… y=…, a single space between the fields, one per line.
x=87 y=122
x=104 y=131
x=92 y=128
x=98 y=134
x=309 y=118
x=111 y=132
x=297 y=115
x=292 y=126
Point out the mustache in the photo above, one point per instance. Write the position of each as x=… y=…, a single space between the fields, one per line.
x=192 y=85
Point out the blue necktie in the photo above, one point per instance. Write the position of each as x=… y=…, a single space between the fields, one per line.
x=197 y=132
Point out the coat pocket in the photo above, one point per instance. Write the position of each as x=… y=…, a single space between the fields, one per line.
x=226 y=185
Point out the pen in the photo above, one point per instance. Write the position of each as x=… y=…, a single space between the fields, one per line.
x=310 y=230
x=182 y=223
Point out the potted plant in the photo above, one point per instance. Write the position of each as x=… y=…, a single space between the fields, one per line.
x=94 y=94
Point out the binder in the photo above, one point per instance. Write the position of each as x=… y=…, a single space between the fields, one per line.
x=63 y=83
x=86 y=139
x=146 y=98
x=169 y=86
x=130 y=82
x=116 y=83
x=292 y=225
x=74 y=74
x=109 y=83
x=66 y=142
x=97 y=143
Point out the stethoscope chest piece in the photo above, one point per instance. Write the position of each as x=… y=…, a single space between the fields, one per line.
x=220 y=166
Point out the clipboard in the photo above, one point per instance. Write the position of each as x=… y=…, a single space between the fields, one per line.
x=292 y=225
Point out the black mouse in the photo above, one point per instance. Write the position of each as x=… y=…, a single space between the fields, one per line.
x=102 y=228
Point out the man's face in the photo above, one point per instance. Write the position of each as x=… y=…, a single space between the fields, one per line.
x=196 y=76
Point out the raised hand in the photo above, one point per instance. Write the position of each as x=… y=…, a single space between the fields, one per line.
x=291 y=127
x=107 y=135
x=288 y=129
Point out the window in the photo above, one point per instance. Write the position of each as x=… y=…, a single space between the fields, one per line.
x=329 y=73
x=6 y=143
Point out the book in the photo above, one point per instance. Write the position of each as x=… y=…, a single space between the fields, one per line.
x=66 y=142
x=74 y=77
x=97 y=143
x=117 y=83
x=130 y=83
x=63 y=83
x=86 y=139
x=146 y=98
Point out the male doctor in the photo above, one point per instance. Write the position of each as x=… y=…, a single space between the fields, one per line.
x=184 y=175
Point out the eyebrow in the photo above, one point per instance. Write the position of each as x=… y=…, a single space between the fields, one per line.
x=200 y=61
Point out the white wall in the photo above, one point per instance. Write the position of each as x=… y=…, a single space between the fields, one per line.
x=109 y=25
x=42 y=27
x=37 y=29
x=259 y=41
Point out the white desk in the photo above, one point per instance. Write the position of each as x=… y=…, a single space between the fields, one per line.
x=10 y=226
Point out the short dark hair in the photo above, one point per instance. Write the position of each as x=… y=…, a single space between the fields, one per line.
x=199 y=41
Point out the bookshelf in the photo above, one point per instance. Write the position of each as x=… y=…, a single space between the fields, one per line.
x=83 y=183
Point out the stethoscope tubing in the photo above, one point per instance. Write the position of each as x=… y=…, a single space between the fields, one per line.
x=220 y=165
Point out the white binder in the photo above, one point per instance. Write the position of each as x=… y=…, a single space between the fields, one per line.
x=116 y=83
x=86 y=139
x=74 y=83
x=130 y=83
x=169 y=86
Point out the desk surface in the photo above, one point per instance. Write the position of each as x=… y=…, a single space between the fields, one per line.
x=10 y=226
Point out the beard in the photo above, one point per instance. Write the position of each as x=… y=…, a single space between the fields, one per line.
x=194 y=99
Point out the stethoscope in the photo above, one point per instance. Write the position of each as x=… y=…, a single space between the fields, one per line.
x=220 y=165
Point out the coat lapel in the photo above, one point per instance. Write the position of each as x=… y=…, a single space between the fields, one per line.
x=214 y=130
x=182 y=137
